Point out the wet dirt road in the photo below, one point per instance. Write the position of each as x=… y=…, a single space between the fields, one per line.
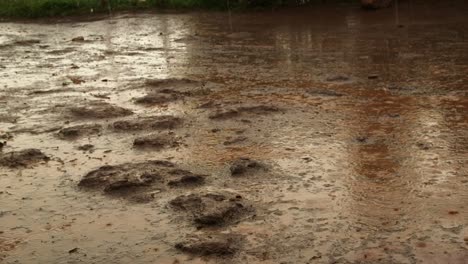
x=324 y=135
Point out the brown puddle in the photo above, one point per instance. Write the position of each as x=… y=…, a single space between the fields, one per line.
x=358 y=121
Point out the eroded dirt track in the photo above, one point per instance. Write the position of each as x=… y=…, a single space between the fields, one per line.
x=323 y=135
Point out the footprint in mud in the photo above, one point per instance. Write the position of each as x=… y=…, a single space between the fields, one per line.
x=210 y=245
x=98 y=110
x=78 y=131
x=243 y=110
x=147 y=123
x=157 y=141
x=246 y=166
x=131 y=180
x=214 y=209
x=22 y=158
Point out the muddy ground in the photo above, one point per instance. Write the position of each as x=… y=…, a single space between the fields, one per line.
x=324 y=135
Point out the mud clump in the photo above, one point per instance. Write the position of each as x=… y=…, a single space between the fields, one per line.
x=78 y=39
x=171 y=82
x=213 y=209
x=132 y=179
x=163 y=91
x=185 y=178
x=154 y=122
x=156 y=99
x=338 y=78
x=234 y=141
x=99 y=110
x=243 y=166
x=86 y=147
x=327 y=93
x=156 y=141
x=214 y=245
x=256 y=110
x=5 y=135
x=22 y=158
x=27 y=42
x=74 y=132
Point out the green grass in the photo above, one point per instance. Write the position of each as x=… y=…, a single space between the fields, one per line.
x=47 y=8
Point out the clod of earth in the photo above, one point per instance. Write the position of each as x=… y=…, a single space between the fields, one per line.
x=186 y=178
x=156 y=98
x=78 y=39
x=131 y=179
x=99 y=110
x=5 y=135
x=22 y=158
x=74 y=132
x=156 y=141
x=213 y=209
x=219 y=245
x=232 y=113
x=243 y=166
x=27 y=42
x=169 y=90
x=172 y=82
x=234 y=141
x=86 y=147
x=338 y=78
x=330 y=93
x=145 y=123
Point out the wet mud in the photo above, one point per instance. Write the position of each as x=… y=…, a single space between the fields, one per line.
x=213 y=209
x=22 y=158
x=157 y=141
x=209 y=245
x=148 y=123
x=74 y=132
x=98 y=110
x=243 y=166
x=328 y=134
x=221 y=114
x=128 y=179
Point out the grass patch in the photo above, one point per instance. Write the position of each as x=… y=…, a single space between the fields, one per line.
x=47 y=8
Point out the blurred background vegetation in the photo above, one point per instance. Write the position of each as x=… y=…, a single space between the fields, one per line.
x=44 y=8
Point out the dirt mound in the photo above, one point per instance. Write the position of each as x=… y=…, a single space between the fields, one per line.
x=255 y=110
x=22 y=158
x=99 y=110
x=213 y=209
x=156 y=141
x=220 y=245
x=244 y=166
x=74 y=132
x=154 y=122
x=133 y=179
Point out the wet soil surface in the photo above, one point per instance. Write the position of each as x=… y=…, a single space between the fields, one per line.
x=319 y=135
